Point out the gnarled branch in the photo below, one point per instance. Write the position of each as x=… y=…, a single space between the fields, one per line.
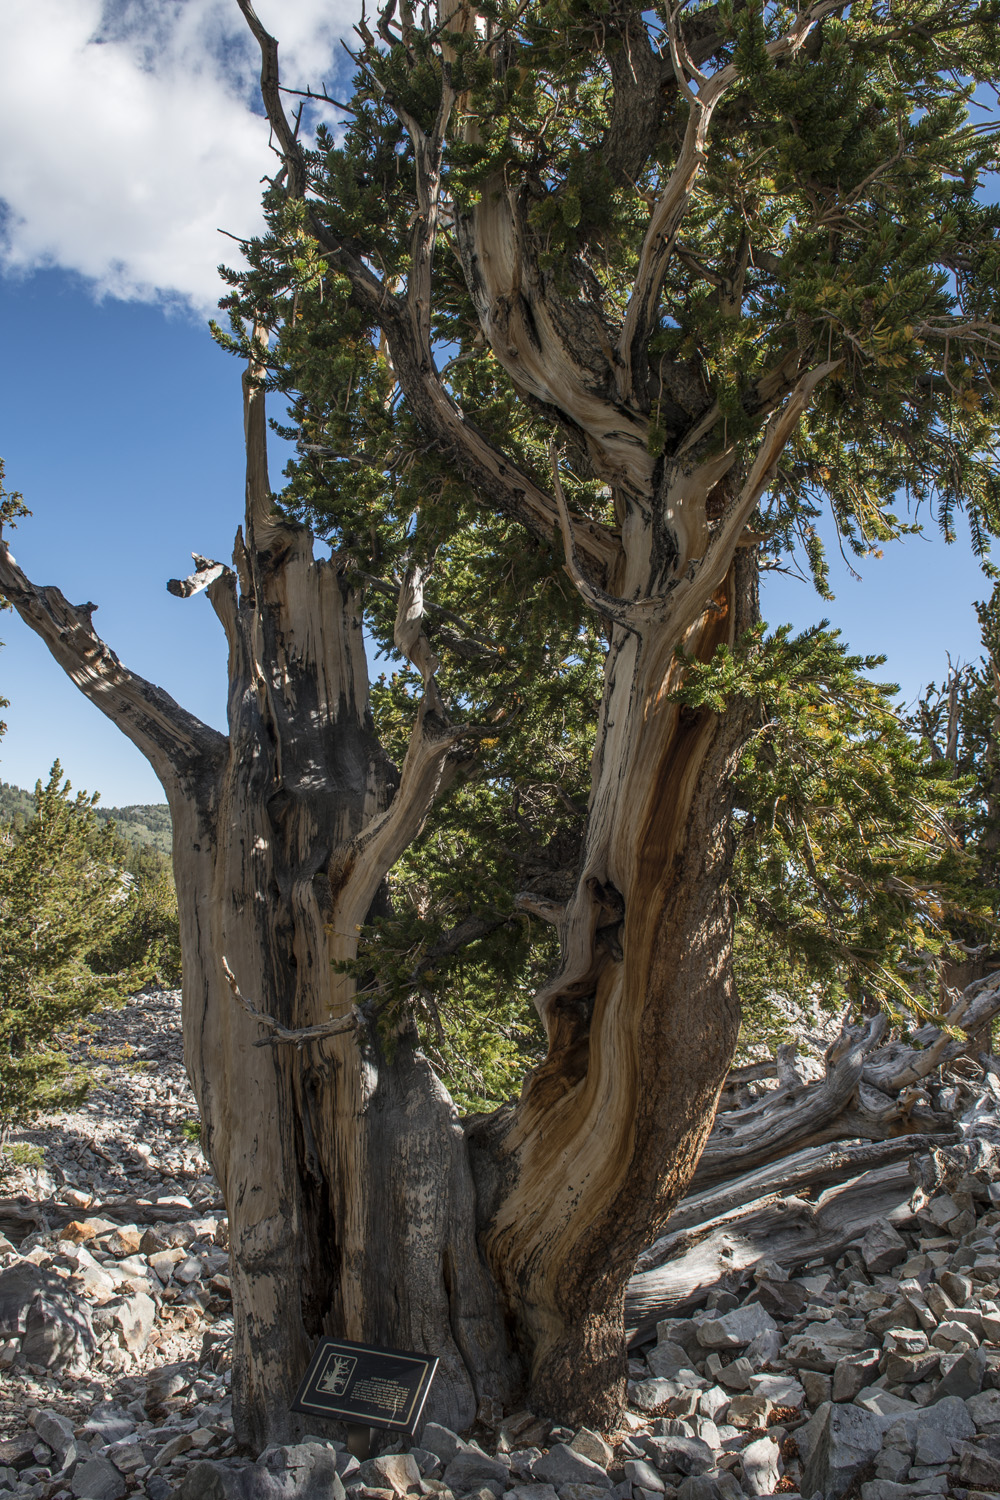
x=671 y=208
x=493 y=475
x=179 y=747
x=206 y=572
x=299 y=1036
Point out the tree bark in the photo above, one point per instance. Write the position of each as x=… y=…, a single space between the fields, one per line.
x=340 y=1156
x=642 y=1019
x=357 y=1205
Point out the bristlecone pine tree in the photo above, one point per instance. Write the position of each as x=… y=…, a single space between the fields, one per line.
x=614 y=297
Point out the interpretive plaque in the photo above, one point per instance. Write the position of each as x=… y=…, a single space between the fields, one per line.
x=355 y=1383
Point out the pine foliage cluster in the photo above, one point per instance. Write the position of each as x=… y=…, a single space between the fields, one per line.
x=86 y=919
x=838 y=219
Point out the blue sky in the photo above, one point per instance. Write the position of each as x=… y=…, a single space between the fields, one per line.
x=119 y=418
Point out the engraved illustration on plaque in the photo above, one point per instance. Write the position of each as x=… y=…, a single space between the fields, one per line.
x=359 y=1384
x=338 y=1374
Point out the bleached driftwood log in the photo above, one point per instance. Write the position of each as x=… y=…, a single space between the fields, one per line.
x=803 y=1170
x=872 y=1089
x=788 y=1231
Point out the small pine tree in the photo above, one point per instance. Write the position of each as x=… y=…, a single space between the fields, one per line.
x=63 y=900
x=147 y=941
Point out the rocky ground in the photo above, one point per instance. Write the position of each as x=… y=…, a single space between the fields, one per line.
x=875 y=1378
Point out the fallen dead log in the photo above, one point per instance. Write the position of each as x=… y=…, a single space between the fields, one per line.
x=897 y=1065
x=789 y=1231
x=872 y=1089
x=805 y=1173
x=864 y=1120
x=20 y=1217
x=791 y=1117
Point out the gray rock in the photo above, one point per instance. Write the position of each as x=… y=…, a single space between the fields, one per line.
x=348 y=1466
x=817 y=1386
x=807 y=1436
x=107 y=1424
x=710 y=1487
x=683 y=1331
x=398 y=1472
x=991 y=1326
x=761 y=1466
x=885 y=1489
x=208 y=1480
x=950 y=1416
x=882 y=1248
x=441 y=1441
x=686 y=1455
x=97 y=1479
x=561 y=1465
x=784 y=1299
x=979 y=1468
x=647 y=1395
x=706 y=1429
x=638 y=1471
x=428 y=1463
x=749 y=1410
x=984 y=1409
x=166 y=1381
x=57 y=1431
x=893 y=1464
x=899 y=1315
x=736 y=1329
x=593 y=1446
x=667 y=1359
x=472 y=1470
x=848 y=1437
x=932 y=1446
x=909 y=1369
x=55 y=1328
x=299 y=1471
x=583 y=1492
x=532 y=1492
x=134 y=1317
x=812 y=1351
x=521 y=1460
x=853 y=1372
x=883 y=1403
x=306 y=1470
x=127 y=1456
x=736 y=1376
x=965 y=1378
x=955 y=1286
x=782 y=1390
x=953 y=1334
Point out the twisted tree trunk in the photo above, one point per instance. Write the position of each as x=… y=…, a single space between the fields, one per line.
x=357 y=1204
x=340 y=1156
x=642 y=1021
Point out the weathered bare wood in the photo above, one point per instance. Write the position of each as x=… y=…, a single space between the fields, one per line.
x=302 y=1036
x=343 y=1166
x=498 y=479
x=23 y=1216
x=789 y=1231
x=182 y=750
x=789 y=1119
x=817 y=1167
x=897 y=1066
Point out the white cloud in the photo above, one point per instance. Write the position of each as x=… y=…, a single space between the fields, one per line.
x=130 y=138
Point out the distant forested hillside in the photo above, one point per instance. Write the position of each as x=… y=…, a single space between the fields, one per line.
x=143 y=824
